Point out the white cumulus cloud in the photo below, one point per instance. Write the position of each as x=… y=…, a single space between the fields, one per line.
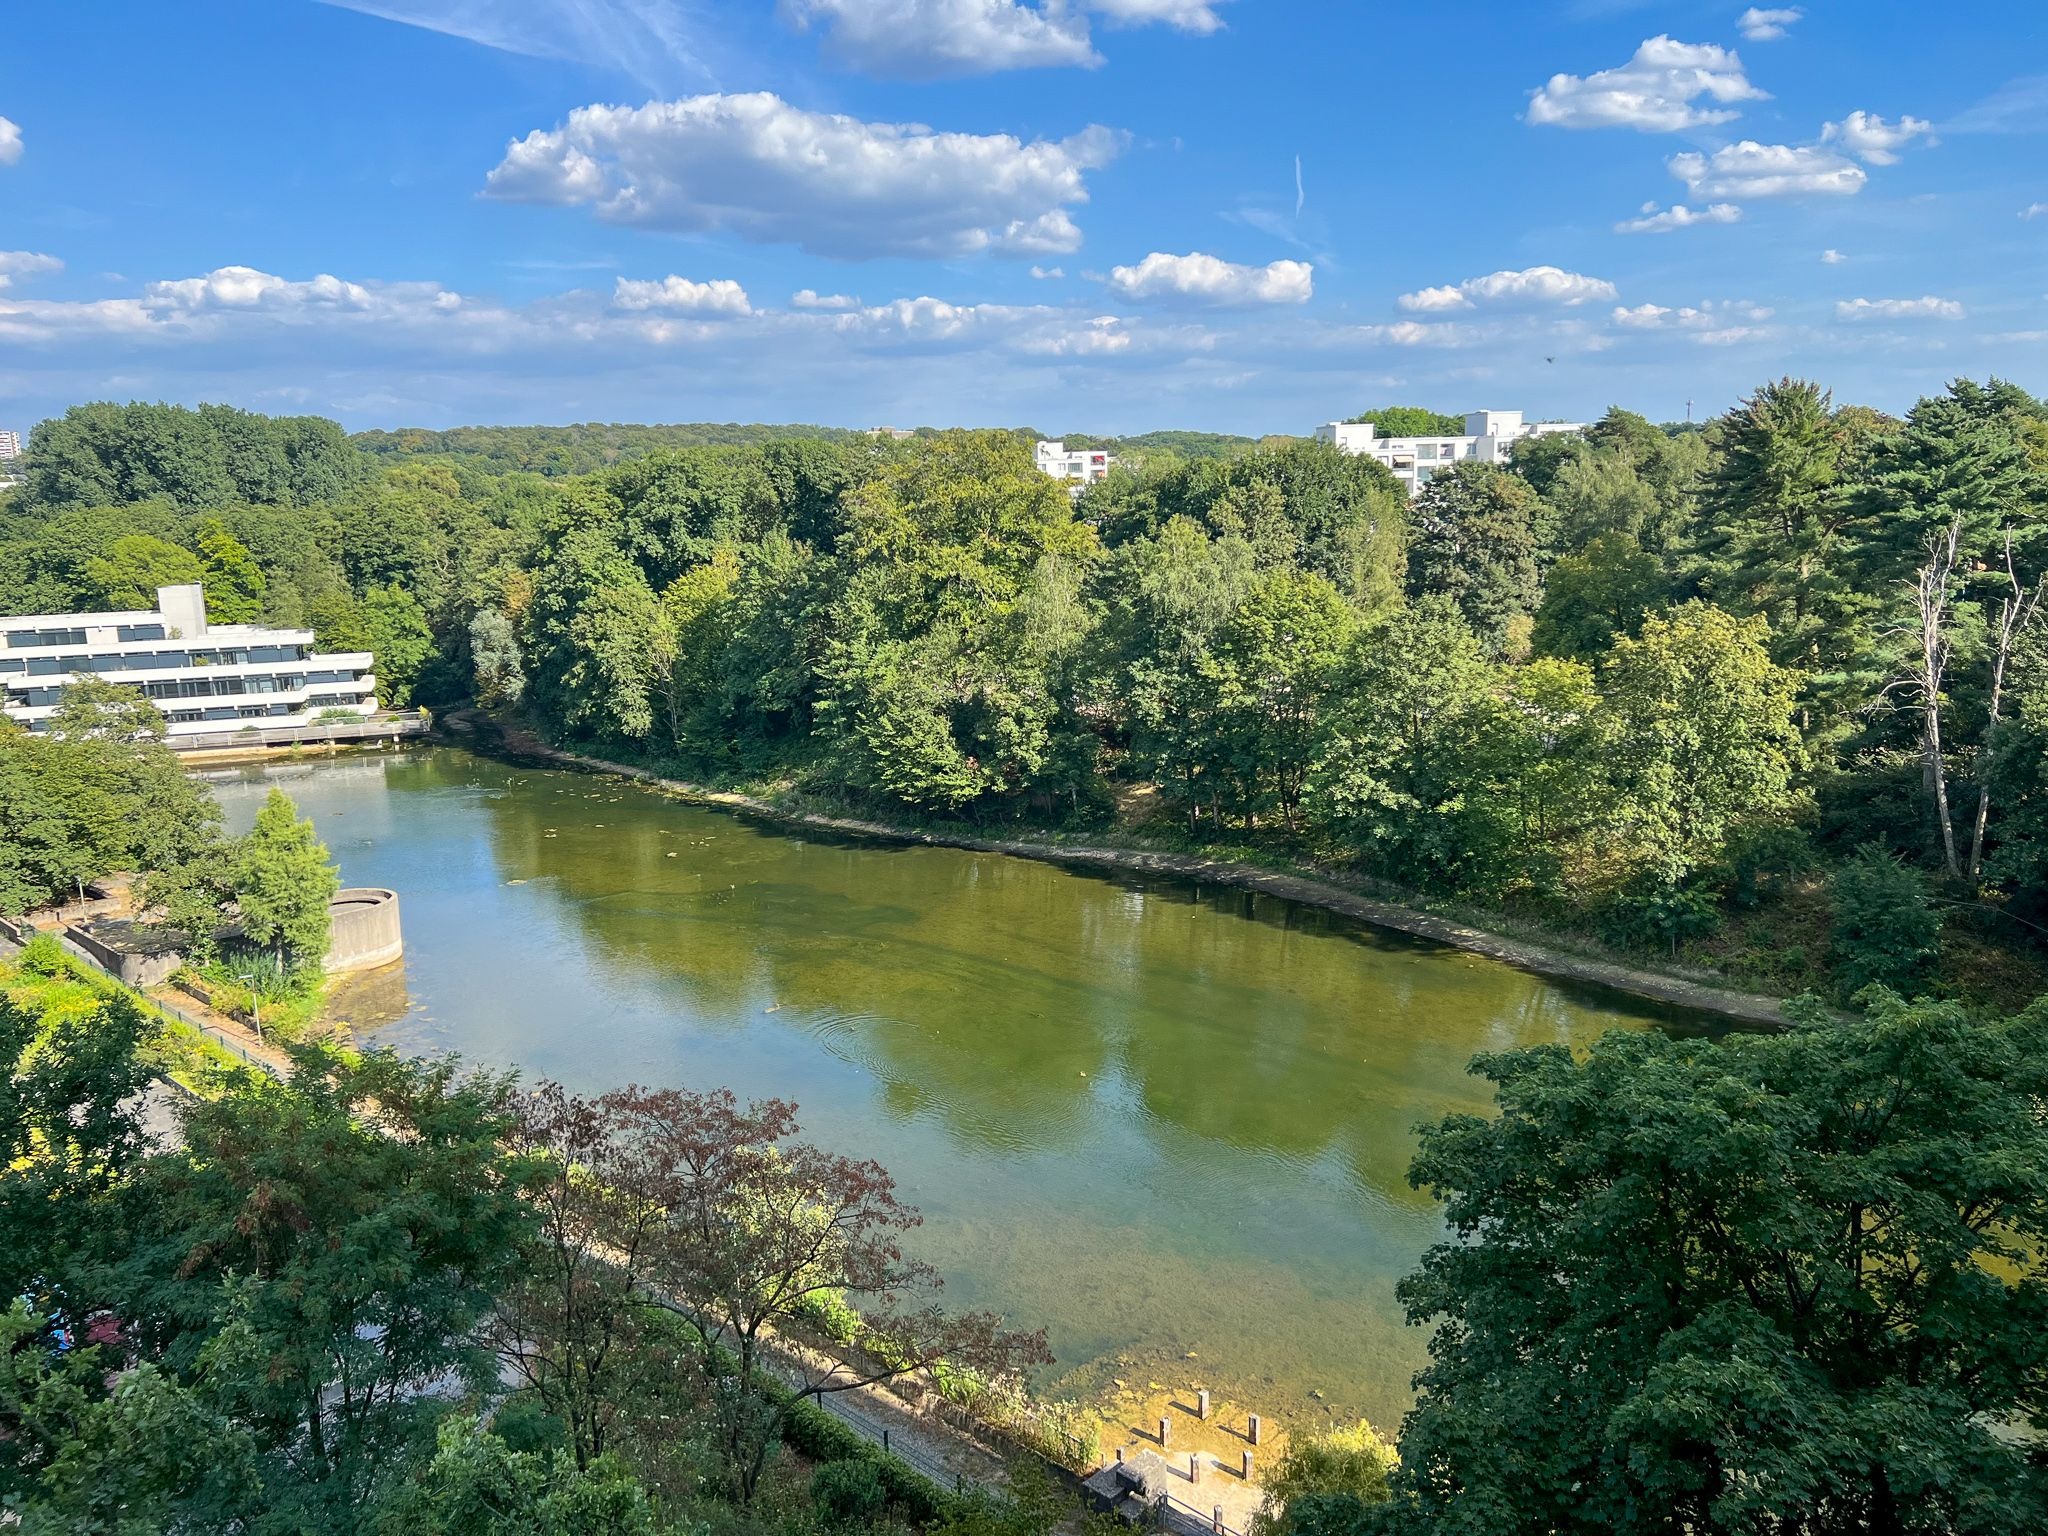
x=1832 y=257
x=757 y=167
x=1198 y=16
x=936 y=39
x=932 y=39
x=1716 y=323
x=1534 y=285
x=1656 y=221
x=2034 y=210
x=248 y=289
x=1202 y=279
x=1928 y=308
x=681 y=296
x=1873 y=140
x=1760 y=25
x=15 y=265
x=10 y=141
x=1045 y=273
x=1654 y=92
x=1747 y=169
x=810 y=298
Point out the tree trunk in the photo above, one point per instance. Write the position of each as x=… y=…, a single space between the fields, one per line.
x=1937 y=777
x=2015 y=614
x=1931 y=600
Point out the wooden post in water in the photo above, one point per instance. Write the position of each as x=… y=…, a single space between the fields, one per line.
x=1247 y=1466
x=1202 y=1404
x=1255 y=1429
x=1165 y=1430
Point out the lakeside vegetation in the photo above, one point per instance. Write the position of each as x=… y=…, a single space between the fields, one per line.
x=98 y=793
x=395 y=1295
x=1768 y=695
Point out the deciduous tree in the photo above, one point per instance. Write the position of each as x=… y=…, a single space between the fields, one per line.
x=1767 y=1283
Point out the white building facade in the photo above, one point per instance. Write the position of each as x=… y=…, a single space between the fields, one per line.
x=1489 y=438
x=1078 y=467
x=219 y=677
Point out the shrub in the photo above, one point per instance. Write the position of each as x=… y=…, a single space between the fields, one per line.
x=1883 y=932
x=849 y=1492
x=1323 y=1486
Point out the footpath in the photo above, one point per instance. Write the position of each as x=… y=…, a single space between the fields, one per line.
x=1654 y=986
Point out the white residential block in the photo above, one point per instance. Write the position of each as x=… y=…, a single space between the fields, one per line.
x=1489 y=438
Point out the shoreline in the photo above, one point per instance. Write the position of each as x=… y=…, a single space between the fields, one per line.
x=1751 y=1008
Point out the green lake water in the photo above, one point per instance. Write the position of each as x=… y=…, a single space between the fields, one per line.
x=1158 y=1119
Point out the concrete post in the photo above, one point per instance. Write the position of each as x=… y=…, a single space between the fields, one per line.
x=1247 y=1466
x=1194 y=1466
x=1202 y=1404
x=1216 y=1520
x=1119 y=1455
x=1255 y=1429
x=1165 y=1430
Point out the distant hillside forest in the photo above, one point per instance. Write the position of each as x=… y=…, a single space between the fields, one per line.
x=1770 y=695
x=591 y=446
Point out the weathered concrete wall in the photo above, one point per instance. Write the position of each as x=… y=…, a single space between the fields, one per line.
x=364 y=930
x=130 y=969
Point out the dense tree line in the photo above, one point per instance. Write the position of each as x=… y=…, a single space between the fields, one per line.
x=107 y=454
x=1688 y=687
x=582 y=449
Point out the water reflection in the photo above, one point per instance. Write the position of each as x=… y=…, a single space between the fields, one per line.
x=1154 y=1117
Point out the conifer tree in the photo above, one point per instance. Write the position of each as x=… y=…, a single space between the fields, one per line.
x=283 y=883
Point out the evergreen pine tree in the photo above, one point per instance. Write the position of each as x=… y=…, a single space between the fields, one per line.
x=283 y=883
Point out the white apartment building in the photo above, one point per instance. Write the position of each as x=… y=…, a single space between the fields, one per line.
x=1078 y=467
x=1489 y=438
x=10 y=445
x=220 y=677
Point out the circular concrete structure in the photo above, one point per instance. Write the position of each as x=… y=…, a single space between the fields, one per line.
x=363 y=929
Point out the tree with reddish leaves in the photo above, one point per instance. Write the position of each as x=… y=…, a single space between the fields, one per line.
x=716 y=1212
x=569 y=1328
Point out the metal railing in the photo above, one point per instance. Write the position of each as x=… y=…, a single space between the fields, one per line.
x=10 y=948
x=383 y=729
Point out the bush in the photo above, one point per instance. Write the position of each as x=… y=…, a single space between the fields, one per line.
x=816 y=1433
x=849 y=1492
x=1323 y=1486
x=1884 y=933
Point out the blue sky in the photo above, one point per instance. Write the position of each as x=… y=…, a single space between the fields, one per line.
x=1110 y=215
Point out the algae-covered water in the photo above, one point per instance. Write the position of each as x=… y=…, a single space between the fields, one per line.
x=1168 y=1122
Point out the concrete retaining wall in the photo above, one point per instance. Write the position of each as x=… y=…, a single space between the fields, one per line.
x=364 y=932
x=131 y=970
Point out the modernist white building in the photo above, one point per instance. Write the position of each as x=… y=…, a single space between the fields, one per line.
x=1489 y=438
x=218 y=677
x=1078 y=467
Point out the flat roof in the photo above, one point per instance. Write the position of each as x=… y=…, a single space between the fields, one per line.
x=73 y=620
